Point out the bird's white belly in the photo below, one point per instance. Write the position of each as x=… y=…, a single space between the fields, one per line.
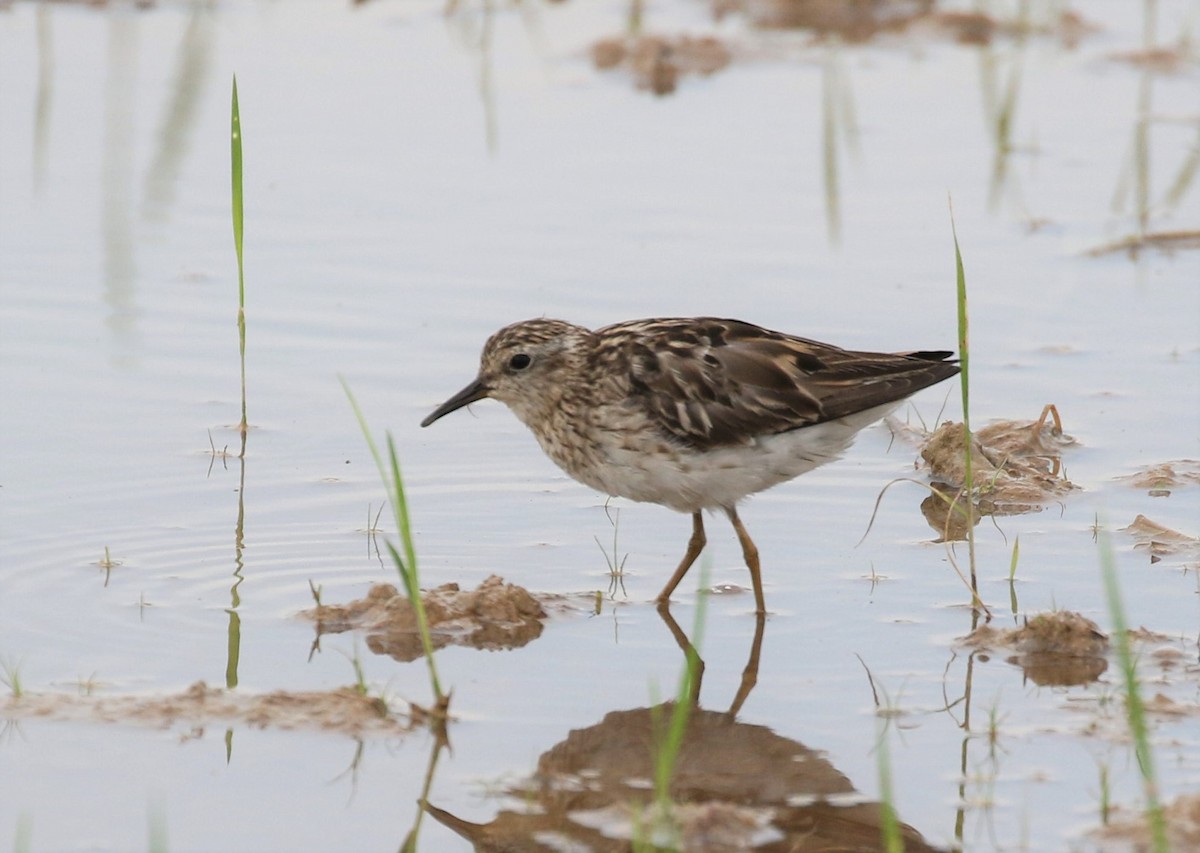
x=688 y=480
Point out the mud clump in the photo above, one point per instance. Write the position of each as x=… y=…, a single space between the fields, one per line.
x=1162 y=542
x=345 y=710
x=1016 y=465
x=1158 y=480
x=1182 y=818
x=1167 y=242
x=658 y=62
x=494 y=615
x=859 y=21
x=1055 y=649
x=853 y=20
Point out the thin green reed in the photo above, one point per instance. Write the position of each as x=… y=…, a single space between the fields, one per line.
x=667 y=753
x=1135 y=710
x=406 y=564
x=889 y=825
x=238 y=220
x=964 y=360
x=669 y=734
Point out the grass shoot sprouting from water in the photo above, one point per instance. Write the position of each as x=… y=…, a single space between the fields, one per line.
x=156 y=828
x=1135 y=709
x=889 y=824
x=616 y=562
x=406 y=563
x=238 y=221
x=964 y=379
x=11 y=677
x=360 y=675
x=671 y=740
x=1105 y=794
x=658 y=826
x=962 y=504
x=23 y=839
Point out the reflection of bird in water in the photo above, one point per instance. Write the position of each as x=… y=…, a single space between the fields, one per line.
x=693 y=413
x=736 y=786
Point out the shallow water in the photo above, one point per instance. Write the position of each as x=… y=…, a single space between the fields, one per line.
x=409 y=191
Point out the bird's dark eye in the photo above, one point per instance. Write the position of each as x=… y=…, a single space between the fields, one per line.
x=520 y=361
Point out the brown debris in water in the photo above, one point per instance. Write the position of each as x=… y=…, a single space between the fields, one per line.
x=657 y=62
x=1163 y=542
x=859 y=21
x=852 y=20
x=977 y=28
x=1168 y=242
x=1055 y=649
x=1145 y=635
x=1016 y=465
x=344 y=710
x=1161 y=60
x=1158 y=480
x=494 y=615
x=1164 y=706
x=1133 y=832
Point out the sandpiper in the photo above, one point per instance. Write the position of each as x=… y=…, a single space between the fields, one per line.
x=692 y=413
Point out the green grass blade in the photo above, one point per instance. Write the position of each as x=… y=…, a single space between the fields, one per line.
x=400 y=505
x=235 y=136
x=964 y=361
x=414 y=596
x=889 y=824
x=156 y=820
x=238 y=219
x=671 y=742
x=366 y=431
x=964 y=352
x=406 y=564
x=23 y=841
x=1134 y=708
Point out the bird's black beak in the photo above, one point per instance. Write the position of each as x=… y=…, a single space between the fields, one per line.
x=473 y=392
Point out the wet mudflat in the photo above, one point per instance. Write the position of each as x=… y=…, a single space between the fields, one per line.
x=417 y=176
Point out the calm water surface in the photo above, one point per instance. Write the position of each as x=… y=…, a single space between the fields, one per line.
x=416 y=180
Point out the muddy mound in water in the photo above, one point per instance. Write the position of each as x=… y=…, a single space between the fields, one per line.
x=495 y=615
x=1016 y=466
x=1060 y=648
x=345 y=710
x=1163 y=543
